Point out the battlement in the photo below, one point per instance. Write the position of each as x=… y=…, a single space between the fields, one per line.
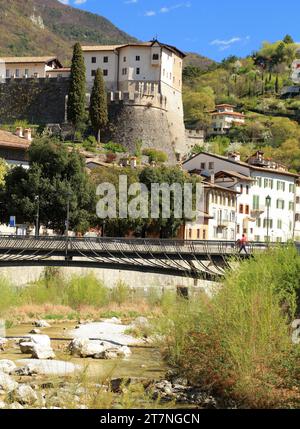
x=148 y=99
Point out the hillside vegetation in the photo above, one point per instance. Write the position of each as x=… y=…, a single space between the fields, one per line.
x=42 y=27
x=253 y=85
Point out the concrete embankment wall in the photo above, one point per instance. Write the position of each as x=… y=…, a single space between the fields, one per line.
x=21 y=276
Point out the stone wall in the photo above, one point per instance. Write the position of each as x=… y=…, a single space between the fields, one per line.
x=39 y=101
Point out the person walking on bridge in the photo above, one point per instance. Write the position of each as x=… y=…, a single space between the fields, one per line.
x=243 y=244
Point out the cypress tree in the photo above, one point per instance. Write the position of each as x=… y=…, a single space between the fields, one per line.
x=98 y=105
x=77 y=91
x=277 y=84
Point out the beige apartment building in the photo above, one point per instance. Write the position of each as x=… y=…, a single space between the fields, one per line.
x=30 y=67
x=223 y=118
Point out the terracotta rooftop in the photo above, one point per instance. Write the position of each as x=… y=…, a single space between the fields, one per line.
x=13 y=60
x=9 y=140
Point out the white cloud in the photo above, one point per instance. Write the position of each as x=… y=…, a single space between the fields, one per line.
x=167 y=9
x=150 y=13
x=80 y=1
x=226 y=44
x=64 y=1
x=131 y=1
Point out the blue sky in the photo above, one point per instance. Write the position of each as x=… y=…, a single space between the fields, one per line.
x=213 y=28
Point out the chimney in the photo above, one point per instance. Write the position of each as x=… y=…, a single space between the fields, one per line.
x=27 y=134
x=19 y=132
x=133 y=162
x=234 y=156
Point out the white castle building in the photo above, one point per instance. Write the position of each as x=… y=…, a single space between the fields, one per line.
x=147 y=73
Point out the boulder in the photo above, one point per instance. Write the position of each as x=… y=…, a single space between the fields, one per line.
x=83 y=347
x=39 y=347
x=25 y=395
x=3 y=342
x=15 y=406
x=35 y=331
x=7 y=366
x=41 y=324
x=42 y=352
x=7 y=384
x=2 y=405
x=141 y=322
x=113 y=320
x=26 y=371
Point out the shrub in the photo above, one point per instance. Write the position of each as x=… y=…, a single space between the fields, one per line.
x=114 y=147
x=238 y=344
x=155 y=155
x=86 y=290
x=120 y=293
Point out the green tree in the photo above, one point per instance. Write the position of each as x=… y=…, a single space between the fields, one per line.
x=288 y=39
x=55 y=175
x=76 y=108
x=98 y=105
x=3 y=171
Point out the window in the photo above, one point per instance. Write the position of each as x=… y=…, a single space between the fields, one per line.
x=215 y=232
x=155 y=57
x=94 y=60
x=105 y=59
x=203 y=166
x=258 y=223
x=124 y=71
x=198 y=234
x=241 y=189
x=124 y=59
x=238 y=229
x=247 y=210
x=279 y=224
x=259 y=182
x=247 y=190
x=241 y=210
x=292 y=188
x=17 y=73
x=137 y=58
x=190 y=233
x=280 y=186
x=138 y=70
x=26 y=72
x=211 y=166
x=291 y=206
x=266 y=223
x=280 y=204
x=105 y=72
x=93 y=73
x=7 y=73
x=257 y=238
x=204 y=234
x=255 y=202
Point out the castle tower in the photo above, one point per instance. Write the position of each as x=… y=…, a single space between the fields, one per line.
x=145 y=85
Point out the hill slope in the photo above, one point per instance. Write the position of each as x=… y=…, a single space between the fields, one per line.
x=35 y=27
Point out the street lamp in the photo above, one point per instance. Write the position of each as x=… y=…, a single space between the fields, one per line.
x=37 y=217
x=68 y=213
x=268 y=202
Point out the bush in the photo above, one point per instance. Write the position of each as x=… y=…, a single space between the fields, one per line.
x=8 y=295
x=120 y=293
x=115 y=148
x=238 y=344
x=155 y=155
x=86 y=290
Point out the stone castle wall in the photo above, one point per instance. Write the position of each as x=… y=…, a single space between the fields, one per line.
x=137 y=116
x=39 y=101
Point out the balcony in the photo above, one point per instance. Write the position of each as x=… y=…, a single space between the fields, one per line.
x=224 y=223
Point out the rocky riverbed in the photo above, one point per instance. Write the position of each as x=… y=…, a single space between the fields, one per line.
x=86 y=366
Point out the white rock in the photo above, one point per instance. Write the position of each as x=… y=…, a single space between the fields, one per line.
x=42 y=324
x=113 y=320
x=26 y=347
x=25 y=395
x=41 y=340
x=42 y=352
x=7 y=384
x=7 y=366
x=15 y=406
x=3 y=342
x=35 y=331
x=2 y=405
x=141 y=322
x=46 y=367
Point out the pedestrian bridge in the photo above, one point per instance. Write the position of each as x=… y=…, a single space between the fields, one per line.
x=194 y=259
